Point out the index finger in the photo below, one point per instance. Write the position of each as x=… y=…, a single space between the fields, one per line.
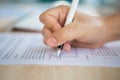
x=54 y=18
x=49 y=19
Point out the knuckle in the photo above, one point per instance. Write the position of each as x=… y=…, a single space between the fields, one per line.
x=43 y=30
x=42 y=17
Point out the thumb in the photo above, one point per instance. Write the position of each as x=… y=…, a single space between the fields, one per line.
x=63 y=35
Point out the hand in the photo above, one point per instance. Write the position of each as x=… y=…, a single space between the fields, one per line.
x=84 y=31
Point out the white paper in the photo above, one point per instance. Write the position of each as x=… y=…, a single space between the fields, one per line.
x=28 y=48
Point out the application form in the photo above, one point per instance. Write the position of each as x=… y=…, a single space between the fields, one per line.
x=28 y=48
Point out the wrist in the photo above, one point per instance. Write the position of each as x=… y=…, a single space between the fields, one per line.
x=112 y=29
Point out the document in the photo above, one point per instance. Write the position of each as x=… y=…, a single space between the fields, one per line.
x=28 y=48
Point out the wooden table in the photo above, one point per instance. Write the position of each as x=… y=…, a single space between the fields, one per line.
x=39 y=72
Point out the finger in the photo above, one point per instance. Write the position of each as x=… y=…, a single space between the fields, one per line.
x=46 y=34
x=50 y=22
x=67 y=46
x=65 y=34
x=50 y=19
x=54 y=18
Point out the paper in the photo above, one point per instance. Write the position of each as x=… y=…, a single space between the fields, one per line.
x=28 y=48
x=30 y=22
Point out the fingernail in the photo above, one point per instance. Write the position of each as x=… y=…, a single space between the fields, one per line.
x=51 y=41
x=67 y=47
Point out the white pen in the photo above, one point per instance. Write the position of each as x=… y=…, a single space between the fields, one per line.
x=69 y=19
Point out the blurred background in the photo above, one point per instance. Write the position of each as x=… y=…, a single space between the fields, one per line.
x=24 y=14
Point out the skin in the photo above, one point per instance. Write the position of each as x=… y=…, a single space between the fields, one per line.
x=85 y=30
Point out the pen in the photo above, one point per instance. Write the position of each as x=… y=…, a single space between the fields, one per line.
x=69 y=19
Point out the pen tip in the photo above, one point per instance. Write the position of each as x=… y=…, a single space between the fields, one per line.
x=58 y=52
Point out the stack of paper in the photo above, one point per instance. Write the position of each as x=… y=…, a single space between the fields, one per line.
x=28 y=48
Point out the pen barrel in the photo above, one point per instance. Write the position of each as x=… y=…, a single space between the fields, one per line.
x=72 y=11
x=70 y=16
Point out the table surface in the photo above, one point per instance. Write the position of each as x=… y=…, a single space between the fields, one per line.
x=40 y=72
x=37 y=72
